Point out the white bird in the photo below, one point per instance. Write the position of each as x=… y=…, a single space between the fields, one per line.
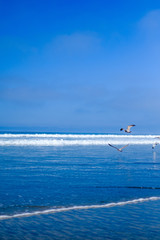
x=118 y=149
x=155 y=144
x=128 y=128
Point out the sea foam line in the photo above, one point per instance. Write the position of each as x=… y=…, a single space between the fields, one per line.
x=73 y=139
x=62 y=142
x=55 y=135
x=65 y=209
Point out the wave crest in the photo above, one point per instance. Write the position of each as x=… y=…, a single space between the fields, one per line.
x=64 y=209
x=74 y=139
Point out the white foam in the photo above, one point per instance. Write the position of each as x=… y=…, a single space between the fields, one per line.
x=73 y=139
x=64 y=209
x=62 y=142
x=48 y=135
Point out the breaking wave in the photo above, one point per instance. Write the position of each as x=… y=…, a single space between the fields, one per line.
x=38 y=139
x=60 y=135
x=64 y=209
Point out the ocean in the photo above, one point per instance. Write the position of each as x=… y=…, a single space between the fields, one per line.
x=75 y=186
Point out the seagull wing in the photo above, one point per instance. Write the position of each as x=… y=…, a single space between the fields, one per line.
x=128 y=128
x=123 y=147
x=113 y=146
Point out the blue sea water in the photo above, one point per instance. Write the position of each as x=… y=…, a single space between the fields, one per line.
x=75 y=186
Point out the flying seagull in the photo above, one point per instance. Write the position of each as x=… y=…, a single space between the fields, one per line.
x=155 y=144
x=128 y=128
x=118 y=149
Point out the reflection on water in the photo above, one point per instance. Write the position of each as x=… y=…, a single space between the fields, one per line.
x=154 y=155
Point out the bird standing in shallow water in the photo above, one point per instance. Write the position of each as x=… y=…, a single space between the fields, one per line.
x=128 y=128
x=155 y=144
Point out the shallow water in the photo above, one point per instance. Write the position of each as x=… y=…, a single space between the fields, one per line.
x=46 y=177
x=137 y=221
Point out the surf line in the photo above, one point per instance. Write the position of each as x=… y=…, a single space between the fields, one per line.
x=65 y=209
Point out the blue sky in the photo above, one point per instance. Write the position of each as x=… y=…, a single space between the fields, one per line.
x=80 y=66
